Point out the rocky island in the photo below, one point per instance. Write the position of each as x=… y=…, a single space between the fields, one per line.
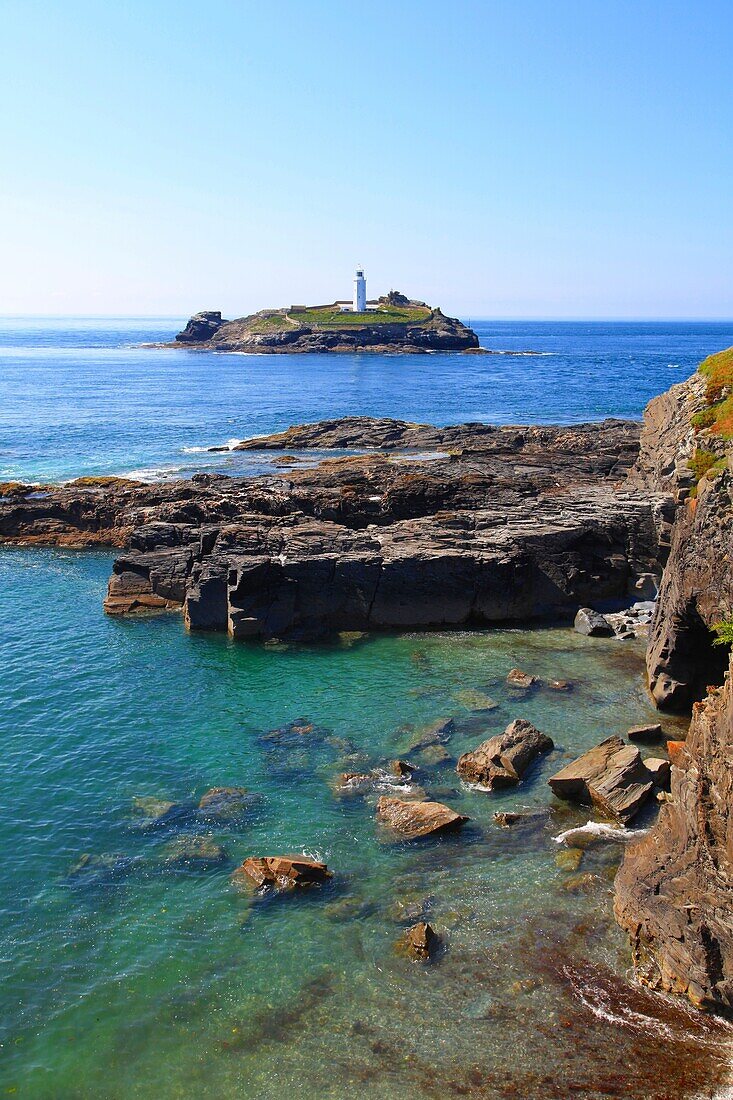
x=393 y=323
x=494 y=525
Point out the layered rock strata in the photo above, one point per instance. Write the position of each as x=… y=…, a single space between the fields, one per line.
x=515 y=524
x=674 y=892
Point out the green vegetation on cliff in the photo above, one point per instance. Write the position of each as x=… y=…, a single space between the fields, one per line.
x=718 y=416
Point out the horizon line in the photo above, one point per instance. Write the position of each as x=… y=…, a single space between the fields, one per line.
x=546 y=318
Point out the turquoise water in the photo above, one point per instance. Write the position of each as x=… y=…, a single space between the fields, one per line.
x=132 y=978
x=81 y=397
x=158 y=983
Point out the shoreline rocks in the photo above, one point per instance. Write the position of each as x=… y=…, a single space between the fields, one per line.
x=611 y=777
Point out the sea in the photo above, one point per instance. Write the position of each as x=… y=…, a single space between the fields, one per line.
x=126 y=974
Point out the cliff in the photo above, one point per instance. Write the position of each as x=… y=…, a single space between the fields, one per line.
x=674 y=891
x=392 y=326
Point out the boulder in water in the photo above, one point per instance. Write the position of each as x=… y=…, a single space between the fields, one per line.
x=413 y=820
x=420 y=942
x=516 y=678
x=282 y=873
x=611 y=776
x=502 y=760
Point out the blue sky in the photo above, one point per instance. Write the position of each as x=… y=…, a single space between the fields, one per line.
x=516 y=158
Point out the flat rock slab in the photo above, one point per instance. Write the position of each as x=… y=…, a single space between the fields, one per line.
x=502 y=760
x=282 y=873
x=611 y=776
x=412 y=820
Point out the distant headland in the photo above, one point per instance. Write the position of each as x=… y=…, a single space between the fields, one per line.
x=392 y=323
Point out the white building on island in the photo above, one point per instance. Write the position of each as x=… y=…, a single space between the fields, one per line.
x=359 y=303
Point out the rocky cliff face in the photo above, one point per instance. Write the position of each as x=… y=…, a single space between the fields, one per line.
x=674 y=892
x=697 y=586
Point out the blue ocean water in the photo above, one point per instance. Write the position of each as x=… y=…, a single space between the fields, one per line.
x=125 y=975
x=82 y=397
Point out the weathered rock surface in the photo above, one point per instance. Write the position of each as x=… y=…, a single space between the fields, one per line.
x=516 y=678
x=282 y=873
x=697 y=584
x=674 y=891
x=611 y=776
x=201 y=327
x=413 y=820
x=502 y=760
x=592 y=624
x=517 y=524
x=421 y=942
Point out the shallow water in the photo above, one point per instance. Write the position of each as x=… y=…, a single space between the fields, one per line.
x=153 y=983
x=130 y=979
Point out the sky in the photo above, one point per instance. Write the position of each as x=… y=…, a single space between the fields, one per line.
x=499 y=158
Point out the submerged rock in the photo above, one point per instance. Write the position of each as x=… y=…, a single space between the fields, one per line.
x=225 y=803
x=282 y=873
x=592 y=624
x=502 y=760
x=413 y=820
x=569 y=859
x=159 y=812
x=420 y=942
x=195 y=853
x=475 y=700
x=100 y=870
x=437 y=733
x=611 y=776
x=560 y=685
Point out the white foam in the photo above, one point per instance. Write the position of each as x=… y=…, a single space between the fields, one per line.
x=597 y=830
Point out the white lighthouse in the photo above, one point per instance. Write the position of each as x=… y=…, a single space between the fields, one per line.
x=359 y=291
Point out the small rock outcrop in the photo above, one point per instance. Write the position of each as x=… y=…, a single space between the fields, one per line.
x=413 y=820
x=282 y=873
x=502 y=760
x=201 y=327
x=612 y=777
x=421 y=942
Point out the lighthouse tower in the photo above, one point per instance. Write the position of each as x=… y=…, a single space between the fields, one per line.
x=359 y=291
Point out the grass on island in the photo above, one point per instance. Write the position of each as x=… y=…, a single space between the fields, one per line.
x=327 y=318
